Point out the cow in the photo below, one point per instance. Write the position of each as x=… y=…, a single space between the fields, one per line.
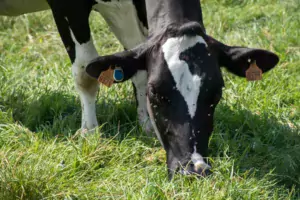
x=184 y=80
x=173 y=64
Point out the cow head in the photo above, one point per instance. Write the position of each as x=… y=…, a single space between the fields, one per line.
x=184 y=86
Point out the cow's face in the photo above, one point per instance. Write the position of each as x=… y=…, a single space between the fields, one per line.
x=183 y=88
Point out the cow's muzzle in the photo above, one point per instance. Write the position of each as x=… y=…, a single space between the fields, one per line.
x=200 y=169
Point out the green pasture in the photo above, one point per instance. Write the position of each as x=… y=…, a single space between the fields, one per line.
x=254 y=150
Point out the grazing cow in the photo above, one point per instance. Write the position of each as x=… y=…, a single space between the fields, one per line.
x=175 y=73
x=184 y=80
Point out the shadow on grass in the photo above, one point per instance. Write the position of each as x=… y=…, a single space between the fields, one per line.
x=258 y=143
x=55 y=113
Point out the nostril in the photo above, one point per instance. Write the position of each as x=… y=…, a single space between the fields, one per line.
x=201 y=165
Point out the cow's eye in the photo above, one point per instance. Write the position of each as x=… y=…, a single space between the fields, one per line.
x=151 y=92
x=158 y=97
x=213 y=98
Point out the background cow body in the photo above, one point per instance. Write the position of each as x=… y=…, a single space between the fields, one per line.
x=127 y=20
x=19 y=7
x=75 y=32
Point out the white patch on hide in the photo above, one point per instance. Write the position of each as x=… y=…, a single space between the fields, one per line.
x=122 y=18
x=186 y=83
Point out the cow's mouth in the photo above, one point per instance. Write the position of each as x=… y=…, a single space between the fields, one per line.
x=199 y=169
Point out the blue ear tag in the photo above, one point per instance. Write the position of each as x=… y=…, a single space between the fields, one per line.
x=118 y=74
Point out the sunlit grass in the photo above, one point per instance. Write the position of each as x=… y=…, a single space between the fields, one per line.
x=255 y=148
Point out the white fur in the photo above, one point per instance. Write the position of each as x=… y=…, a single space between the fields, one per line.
x=187 y=84
x=140 y=82
x=86 y=86
x=122 y=19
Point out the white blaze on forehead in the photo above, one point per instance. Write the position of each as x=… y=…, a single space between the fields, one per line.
x=186 y=83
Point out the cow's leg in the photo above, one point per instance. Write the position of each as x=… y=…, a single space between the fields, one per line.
x=123 y=19
x=139 y=81
x=86 y=87
x=73 y=25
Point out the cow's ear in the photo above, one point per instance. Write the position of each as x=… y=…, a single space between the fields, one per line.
x=125 y=63
x=238 y=59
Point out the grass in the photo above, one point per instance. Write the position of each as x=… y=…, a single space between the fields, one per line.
x=255 y=147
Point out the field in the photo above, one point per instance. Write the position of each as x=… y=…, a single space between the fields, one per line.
x=254 y=150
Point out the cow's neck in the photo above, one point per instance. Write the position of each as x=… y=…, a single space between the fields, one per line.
x=162 y=13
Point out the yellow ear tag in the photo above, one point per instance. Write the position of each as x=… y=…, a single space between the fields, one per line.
x=107 y=77
x=253 y=73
